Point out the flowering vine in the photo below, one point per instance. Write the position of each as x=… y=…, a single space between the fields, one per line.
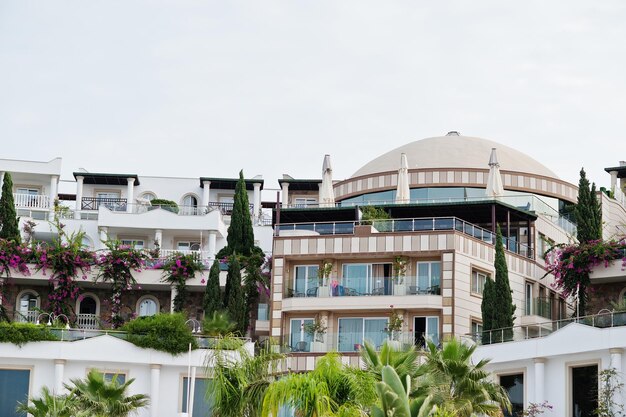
x=177 y=269
x=572 y=264
x=117 y=264
x=12 y=257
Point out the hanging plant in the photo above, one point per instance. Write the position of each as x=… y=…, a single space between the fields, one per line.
x=177 y=269
x=572 y=264
x=117 y=264
x=67 y=259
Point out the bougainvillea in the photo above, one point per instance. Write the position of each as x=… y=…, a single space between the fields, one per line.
x=572 y=264
x=177 y=269
x=13 y=256
x=116 y=265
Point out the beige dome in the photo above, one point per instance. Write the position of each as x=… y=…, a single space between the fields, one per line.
x=455 y=151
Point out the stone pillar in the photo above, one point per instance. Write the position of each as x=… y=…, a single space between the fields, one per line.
x=206 y=193
x=155 y=374
x=129 y=195
x=52 y=195
x=79 y=196
x=191 y=391
x=540 y=370
x=256 y=201
x=158 y=237
x=104 y=235
x=173 y=293
x=285 y=194
x=59 y=368
x=212 y=242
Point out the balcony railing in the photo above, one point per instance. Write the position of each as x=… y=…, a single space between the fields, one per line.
x=373 y=286
x=26 y=316
x=226 y=207
x=31 y=201
x=410 y=225
x=353 y=341
x=87 y=321
x=539 y=306
x=94 y=203
x=199 y=254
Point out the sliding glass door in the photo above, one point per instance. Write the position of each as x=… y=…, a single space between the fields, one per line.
x=353 y=331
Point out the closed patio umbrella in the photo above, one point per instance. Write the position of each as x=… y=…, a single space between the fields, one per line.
x=403 y=193
x=327 y=194
x=494 y=181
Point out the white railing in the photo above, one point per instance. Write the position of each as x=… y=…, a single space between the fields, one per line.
x=26 y=316
x=31 y=201
x=87 y=321
x=202 y=254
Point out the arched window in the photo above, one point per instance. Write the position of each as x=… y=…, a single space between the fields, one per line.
x=148 y=196
x=28 y=303
x=88 y=306
x=190 y=205
x=148 y=306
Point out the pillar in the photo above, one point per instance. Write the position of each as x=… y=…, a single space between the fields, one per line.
x=191 y=391
x=616 y=358
x=616 y=363
x=129 y=195
x=155 y=374
x=158 y=237
x=212 y=241
x=206 y=193
x=256 y=199
x=173 y=293
x=104 y=234
x=540 y=370
x=59 y=368
x=54 y=185
x=1 y=181
x=285 y=194
x=613 y=180
x=79 y=196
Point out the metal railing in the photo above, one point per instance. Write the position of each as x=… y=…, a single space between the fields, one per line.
x=352 y=341
x=226 y=207
x=373 y=286
x=410 y=225
x=36 y=201
x=518 y=333
x=94 y=203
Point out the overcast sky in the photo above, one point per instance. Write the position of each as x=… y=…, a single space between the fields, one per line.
x=204 y=88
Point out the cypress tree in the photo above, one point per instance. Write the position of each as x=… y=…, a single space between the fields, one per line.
x=240 y=237
x=213 y=294
x=588 y=211
x=9 y=223
x=504 y=309
x=487 y=310
x=235 y=303
x=251 y=285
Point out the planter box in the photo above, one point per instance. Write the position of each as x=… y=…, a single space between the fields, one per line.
x=394 y=344
x=317 y=347
x=399 y=289
x=323 y=291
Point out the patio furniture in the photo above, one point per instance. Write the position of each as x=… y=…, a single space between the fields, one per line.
x=311 y=292
x=413 y=290
x=302 y=346
x=378 y=291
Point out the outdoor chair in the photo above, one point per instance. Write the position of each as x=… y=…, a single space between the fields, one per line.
x=311 y=292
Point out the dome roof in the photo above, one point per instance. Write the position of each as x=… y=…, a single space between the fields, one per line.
x=455 y=151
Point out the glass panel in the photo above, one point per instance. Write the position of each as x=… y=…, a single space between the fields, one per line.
x=403 y=225
x=423 y=224
x=375 y=331
x=356 y=277
x=147 y=308
x=300 y=339
x=584 y=390
x=201 y=405
x=350 y=334
x=423 y=276
x=300 y=284
x=514 y=386
x=444 y=224
x=13 y=389
x=120 y=379
x=263 y=312
x=312 y=281
x=435 y=276
x=432 y=329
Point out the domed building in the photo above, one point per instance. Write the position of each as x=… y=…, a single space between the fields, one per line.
x=411 y=235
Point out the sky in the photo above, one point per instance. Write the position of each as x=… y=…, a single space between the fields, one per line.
x=206 y=88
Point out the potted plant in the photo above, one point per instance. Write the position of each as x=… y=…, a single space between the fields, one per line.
x=323 y=273
x=394 y=328
x=317 y=330
x=376 y=217
x=400 y=264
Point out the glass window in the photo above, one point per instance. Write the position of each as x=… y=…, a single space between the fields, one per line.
x=306 y=281
x=478 y=282
x=300 y=340
x=202 y=406
x=147 y=307
x=356 y=277
x=136 y=244
x=188 y=246
x=529 y=298
x=118 y=377
x=477 y=330
x=514 y=387
x=584 y=390
x=13 y=389
x=28 y=305
x=429 y=277
x=305 y=202
x=353 y=331
x=148 y=196
x=263 y=312
x=28 y=191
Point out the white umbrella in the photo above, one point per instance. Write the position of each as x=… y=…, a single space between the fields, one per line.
x=494 y=181
x=403 y=193
x=327 y=194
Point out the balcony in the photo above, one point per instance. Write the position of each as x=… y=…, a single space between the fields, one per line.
x=94 y=203
x=32 y=201
x=226 y=208
x=198 y=254
x=83 y=321
x=536 y=311
x=352 y=341
x=615 y=271
x=365 y=287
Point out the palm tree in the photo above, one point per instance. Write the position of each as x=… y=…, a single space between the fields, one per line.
x=332 y=389
x=48 y=405
x=452 y=384
x=239 y=379
x=100 y=398
x=404 y=362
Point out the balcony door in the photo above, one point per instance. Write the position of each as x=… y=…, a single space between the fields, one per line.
x=306 y=281
x=425 y=328
x=300 y=340
x=28 y=305
x=354 y=331
x=367 y=278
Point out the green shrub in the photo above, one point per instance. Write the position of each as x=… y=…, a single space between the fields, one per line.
x=377 y=217
x=22 y=333
x=164 y=332
x=165 y=204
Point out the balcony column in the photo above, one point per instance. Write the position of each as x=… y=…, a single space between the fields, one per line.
x=616 y=363
x=155 y=374
x=285 y=194
x=212 y=242
x=256 y=199
x=79 y=196
x=191 y=391
x=59 y=368
x=613 y=180
x=54 y=182
x=158 y=237
x=540 y=370
x=206 y=193
x=104 y=235
x=173 y=294
x=129 y=195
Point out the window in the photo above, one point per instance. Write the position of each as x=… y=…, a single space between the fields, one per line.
x=529 y=298
x=477 y=330
x=305 y=202
x=429 y=277
x=27 y=191
x=148 y=196
x=514 y=387
x=135 y=244
x=300 y=340
x=425 y=328
x=353 y=331
x=28 y=304
x=110 y=200
x=263 y=312
x=14 y=385
x=147 y=307
x=478 y=281
x=118 y=377
x=306 y=281
x=201 y=407
x=188 y=245
x=584 y=390
x=361 y=279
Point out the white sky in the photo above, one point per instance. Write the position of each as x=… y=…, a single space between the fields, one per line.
x=204 y=88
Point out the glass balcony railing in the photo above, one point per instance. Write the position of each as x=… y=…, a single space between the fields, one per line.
x=539 y=306
x=353 y=341
x=374 y=286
